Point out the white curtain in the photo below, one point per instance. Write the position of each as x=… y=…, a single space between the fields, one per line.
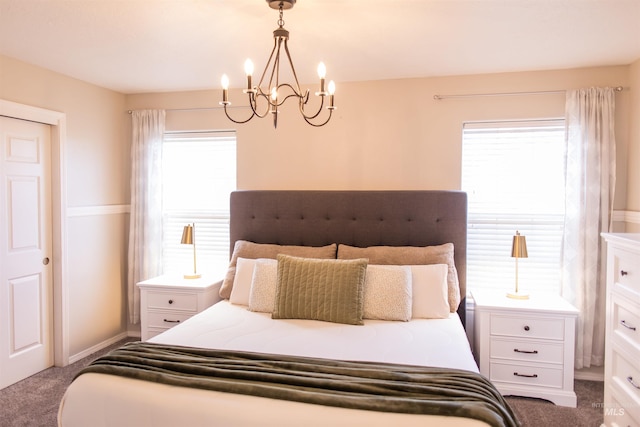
x=590 y=184
x=145 y=227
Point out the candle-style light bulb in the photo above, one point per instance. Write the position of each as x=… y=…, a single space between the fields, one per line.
x=332 y=87
x=224 y=81
x=322 y=70
x=332 y=90
x=274 y=95
x=248 y=67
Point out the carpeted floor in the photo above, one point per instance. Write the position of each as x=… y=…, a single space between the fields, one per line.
x=34 y=401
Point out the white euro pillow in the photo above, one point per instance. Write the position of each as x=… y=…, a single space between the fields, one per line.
x=430 y=291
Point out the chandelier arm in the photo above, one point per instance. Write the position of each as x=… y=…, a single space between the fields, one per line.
x=238 y=121
x=301 y=106
x=254 y=105
x=293 y=70
x=308 y=120
x=266 y=67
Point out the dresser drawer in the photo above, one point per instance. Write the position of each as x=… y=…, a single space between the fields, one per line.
x=166 y=319
x=172 y=301
x=626 y=270
x=529 y=327
x=528 y=375
x=622 y=413
x=528 y=350
x=626 y=375
x=625 y=323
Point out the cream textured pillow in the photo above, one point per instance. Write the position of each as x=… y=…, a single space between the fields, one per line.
x=429 y=285
x=263 y=286
x=250 y=250
x=387 y=293
x=320 y=289
x=411 y=255
x=242 y=281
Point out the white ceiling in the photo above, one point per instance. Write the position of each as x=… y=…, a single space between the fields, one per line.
x=136 y=46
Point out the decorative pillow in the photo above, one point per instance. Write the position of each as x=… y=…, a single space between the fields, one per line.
x=430 y=294
x=263 y=285
x=411 y=255
x=250 y=250
x=320 y=289
x=242 y=281
x=387 y=293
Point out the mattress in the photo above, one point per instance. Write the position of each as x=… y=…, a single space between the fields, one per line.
x=105 y=400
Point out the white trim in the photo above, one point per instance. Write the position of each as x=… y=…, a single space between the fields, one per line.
x=97 y=347
x=632 y=217
x=97 y=210
x=58 y=122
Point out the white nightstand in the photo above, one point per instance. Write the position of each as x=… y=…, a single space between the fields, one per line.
x=168 y=300
x=526 y=347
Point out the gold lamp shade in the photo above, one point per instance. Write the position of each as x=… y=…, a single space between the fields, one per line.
x=189 y=238
x=518 y=250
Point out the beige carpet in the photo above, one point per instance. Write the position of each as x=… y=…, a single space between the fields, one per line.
x=34 y=401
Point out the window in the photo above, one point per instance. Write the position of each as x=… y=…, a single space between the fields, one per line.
x=198 y=174
x=513 y=173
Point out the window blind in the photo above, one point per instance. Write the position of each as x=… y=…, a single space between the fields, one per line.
x=513 y=173
x=199 y=173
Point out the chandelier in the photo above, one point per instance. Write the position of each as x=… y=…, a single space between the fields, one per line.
x=267 y=101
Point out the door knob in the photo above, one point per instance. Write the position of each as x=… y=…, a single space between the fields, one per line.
x=45 y=260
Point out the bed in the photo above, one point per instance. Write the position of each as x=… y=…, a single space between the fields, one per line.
x=379 y=337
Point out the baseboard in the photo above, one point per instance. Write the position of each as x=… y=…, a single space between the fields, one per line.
x=97 y=347
x=595 y=373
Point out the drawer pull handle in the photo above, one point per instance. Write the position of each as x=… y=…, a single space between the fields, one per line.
x=526 y=351
x=623 y=273
x=633 y=383
x=171 y=321
x=170 y=301
x=528 y=376
x=526 y=328
x=624 y=323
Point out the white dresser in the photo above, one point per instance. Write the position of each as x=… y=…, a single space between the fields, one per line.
x=168 y=300
x=622 y=348
x=526 y=347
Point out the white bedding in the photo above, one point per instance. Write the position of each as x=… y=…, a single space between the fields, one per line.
x=104 y=400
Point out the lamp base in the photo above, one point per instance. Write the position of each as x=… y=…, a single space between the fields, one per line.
x=192 y=276
x=517 y=295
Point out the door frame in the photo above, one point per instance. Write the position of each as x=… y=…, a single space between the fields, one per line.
x=58 y=123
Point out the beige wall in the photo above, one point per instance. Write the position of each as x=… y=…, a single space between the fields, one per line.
x=385 y=135
x=388 y=134
x=633 y=165
x=96 y=160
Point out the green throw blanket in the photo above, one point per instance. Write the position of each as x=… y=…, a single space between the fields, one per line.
x=357 y=385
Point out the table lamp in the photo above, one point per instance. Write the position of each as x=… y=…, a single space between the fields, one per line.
x=189 y=238
x=518 y=250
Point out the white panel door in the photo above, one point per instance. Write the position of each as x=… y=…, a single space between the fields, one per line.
x=26 y=288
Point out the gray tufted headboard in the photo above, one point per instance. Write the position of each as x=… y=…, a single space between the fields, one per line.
x=356 y=218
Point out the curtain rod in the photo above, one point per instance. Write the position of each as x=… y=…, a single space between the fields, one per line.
x=540 y=92
x=195 y=108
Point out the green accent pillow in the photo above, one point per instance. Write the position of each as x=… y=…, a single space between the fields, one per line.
x=320 y=289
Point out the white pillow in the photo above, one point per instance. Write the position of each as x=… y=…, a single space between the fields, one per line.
x=242 y=281
x=262 y=296
x=430 y=291
x=387 y=293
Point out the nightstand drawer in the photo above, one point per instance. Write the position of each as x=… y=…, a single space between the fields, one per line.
x=529 y=327
x=166 y=319
x=528 y=350
x=172 y=301
x=626 y=270
x=625 y=324
x=524 y=374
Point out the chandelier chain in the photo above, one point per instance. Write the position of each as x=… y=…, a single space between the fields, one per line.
x=281 y=19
